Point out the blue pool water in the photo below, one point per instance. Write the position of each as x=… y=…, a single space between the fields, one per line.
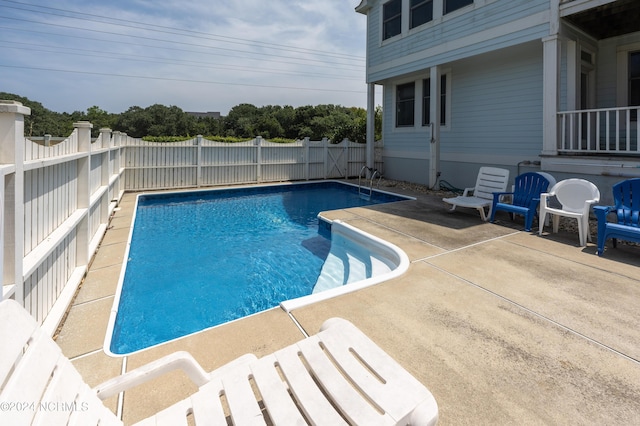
x=200 y=259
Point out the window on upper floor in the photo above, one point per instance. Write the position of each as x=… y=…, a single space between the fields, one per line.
x=420 y=12
x=453 y=5
x=405 y=104
x=391 y=19
x=634 y=82
x=426 y=101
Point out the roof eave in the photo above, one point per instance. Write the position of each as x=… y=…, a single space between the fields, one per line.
x=363 y=7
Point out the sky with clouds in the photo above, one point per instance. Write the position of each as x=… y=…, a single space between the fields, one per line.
x=199 y=55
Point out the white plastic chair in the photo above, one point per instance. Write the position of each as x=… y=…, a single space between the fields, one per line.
x=335 y=375
x=575 y=197
x=490 y=180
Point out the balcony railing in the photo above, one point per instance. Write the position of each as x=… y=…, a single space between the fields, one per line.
x=612 y=131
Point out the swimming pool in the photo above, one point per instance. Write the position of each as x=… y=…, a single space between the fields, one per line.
x=200 y=259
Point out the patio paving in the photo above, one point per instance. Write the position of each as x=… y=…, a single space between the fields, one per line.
x=503 y=326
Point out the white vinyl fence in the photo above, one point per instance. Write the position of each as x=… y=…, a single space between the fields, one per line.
x=201 y=162
x=55 y=203
x=56 y=198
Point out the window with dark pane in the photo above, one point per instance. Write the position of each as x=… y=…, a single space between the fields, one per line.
x=405 y=104
x=421 y=12
x=453 y=5
x=634 y=82
x=391 y=19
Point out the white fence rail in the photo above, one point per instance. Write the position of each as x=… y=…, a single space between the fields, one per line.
x=600 y=131
x=55 y=202
x=201 y=162
x=56 y=197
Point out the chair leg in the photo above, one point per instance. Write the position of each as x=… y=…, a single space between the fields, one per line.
x=543 y=214
x=556 y=223
x=482 y=215
x=581 y=231
x=585 y=226
x=528 y=221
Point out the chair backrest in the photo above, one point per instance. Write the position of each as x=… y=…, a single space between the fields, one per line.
x=36 y=375
x=573 y=194
x=527 y=187
x=627 y=198
x=490 y=180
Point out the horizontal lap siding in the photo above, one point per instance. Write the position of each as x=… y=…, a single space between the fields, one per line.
x=497 y=104
x=390 y=58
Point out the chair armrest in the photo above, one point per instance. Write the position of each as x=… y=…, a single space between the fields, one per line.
x=467 y=190
x=177 y=360
x=544 y=197
x=497 y=195
x=601 y=212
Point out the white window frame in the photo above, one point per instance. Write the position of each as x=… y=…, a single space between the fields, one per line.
x=438 y=18
x=447 y=107
x=395 y=105
x=623 y=70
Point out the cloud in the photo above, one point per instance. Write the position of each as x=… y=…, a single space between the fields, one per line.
x=197 y=55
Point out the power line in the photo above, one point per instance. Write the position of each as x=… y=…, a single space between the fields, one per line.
x=170 y=48
x=186 y=33
x=161 y=40
x=265 y=86
x=152 y=59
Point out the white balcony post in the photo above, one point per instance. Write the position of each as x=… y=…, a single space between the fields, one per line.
x=550 y=83
x=12 y=196
x=371 y=124
x=434 y=145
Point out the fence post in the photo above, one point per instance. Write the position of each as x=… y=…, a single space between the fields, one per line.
x=105 y=135
x=346 y=143
x=117 y=142
x=258 y=143
x=105 y=173
x=307 y=171
x=12 y=198
x=325 y=150
x=83 y=236
x=199 y=161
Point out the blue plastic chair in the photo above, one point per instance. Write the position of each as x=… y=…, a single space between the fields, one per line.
x=626 y=195
x=525 y=197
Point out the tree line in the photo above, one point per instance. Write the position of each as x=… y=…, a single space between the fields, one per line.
x=334 y=122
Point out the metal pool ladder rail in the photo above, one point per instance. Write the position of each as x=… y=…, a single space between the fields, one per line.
x=374 y=172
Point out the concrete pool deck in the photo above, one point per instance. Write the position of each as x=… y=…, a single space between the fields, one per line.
x=503 y=326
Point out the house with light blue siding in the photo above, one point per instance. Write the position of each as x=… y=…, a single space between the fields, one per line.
x=528 y=85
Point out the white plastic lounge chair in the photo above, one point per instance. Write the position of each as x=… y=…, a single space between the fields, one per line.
x=490 y=180
x=575 y=197
x=338 y=376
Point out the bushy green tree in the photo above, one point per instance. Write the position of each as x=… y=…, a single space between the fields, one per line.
x=41 y=121
x=243 y=121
